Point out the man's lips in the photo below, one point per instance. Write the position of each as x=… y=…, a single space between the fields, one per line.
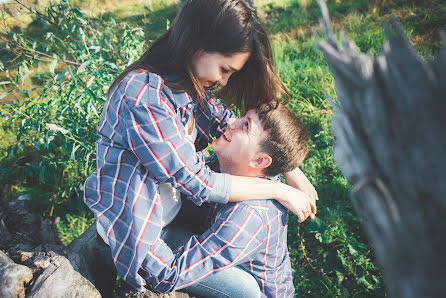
x=226 y=136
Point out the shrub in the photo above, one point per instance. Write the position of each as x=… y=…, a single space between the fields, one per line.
x=56 y=123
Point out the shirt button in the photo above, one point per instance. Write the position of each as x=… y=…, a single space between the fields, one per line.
x=183 y=119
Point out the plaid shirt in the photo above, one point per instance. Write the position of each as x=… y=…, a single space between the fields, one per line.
x=249 y=234
x=142 y=143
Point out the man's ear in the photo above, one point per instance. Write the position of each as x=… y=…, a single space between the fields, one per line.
x=262 y=161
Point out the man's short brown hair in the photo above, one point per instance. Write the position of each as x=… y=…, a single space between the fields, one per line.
x=286 y=138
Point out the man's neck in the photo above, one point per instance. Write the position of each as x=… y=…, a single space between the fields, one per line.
x=238 y=171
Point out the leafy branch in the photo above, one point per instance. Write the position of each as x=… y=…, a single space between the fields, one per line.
x=35 y=12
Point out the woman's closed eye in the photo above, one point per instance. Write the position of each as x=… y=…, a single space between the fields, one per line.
x=224 y=70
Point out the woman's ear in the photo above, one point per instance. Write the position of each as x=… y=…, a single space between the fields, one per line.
x=262 y=161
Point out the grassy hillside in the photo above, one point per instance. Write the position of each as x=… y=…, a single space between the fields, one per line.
x=330 y=255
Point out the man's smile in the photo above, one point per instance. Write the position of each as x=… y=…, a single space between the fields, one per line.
x=227 y=136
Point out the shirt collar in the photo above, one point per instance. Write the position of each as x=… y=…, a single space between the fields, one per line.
x=181 y=99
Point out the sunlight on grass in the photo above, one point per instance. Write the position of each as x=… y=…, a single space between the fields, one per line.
x=72 y=226
x=330 y=255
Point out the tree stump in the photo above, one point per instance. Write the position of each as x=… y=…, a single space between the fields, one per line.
x=33 y=262
x=390 y=144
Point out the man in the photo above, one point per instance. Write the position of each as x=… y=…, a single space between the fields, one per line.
x=250 y=234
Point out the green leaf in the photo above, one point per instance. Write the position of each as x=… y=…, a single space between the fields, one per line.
x=73 y=151
x=53 y=66
x=339 y=276
x=60 y=76
x=42 y=174
x=83 y=66
x=86 y=163
x=24 y=70
x=111 y=65
x=352 y=250
x=55 y=127
x=316 y=225
x=363 y=281
x=25 y=92
x=4 y=94
x=71 y=70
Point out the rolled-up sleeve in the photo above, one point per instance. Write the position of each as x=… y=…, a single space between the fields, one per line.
x=222 y=189
x=221 y=114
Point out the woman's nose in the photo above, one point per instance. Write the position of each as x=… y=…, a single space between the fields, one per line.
x=223 y=80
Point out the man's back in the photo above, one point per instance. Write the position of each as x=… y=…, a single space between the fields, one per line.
x=269 y=263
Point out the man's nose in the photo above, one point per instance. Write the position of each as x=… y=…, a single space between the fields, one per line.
x=232 y=123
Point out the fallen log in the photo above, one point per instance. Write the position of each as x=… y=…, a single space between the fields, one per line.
x=33 y=262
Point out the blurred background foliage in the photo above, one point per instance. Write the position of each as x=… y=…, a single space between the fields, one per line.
x=58 y=60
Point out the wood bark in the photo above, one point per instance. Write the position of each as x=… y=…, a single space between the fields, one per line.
x=389 y=124
x=33 y=262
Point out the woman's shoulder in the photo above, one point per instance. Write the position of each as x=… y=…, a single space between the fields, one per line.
x=141 y=86
x=142 y=77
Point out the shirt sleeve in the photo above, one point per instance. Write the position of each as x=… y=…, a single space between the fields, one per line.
x=220 y=115
x=157 y=139
x=234 y=238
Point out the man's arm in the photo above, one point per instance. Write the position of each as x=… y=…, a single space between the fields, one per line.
x=236 y=234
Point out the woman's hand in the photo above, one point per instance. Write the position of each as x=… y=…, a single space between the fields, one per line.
x=297 y=202
x=298 y=180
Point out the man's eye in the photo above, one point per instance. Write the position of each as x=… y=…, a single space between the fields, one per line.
x=223 y=70
x=246 y=125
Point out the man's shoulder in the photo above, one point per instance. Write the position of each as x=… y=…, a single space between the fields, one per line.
x=260 y=206
x=263 y=205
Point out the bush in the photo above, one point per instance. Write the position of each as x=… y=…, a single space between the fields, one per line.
x=56 y=127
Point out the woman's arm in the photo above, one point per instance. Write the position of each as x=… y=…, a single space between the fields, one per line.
x=297 y=179
x=249 y=188
x=157 y=138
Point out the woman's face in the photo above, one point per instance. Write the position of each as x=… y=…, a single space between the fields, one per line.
x=211 y=68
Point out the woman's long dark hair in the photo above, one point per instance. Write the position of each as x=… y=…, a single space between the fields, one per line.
x=224 y=26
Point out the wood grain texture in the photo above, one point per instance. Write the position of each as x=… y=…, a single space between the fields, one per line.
x=389 y=124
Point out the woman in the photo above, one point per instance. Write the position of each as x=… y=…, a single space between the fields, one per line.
x=160 y=106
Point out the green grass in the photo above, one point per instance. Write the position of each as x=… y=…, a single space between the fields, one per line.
x=330 y=255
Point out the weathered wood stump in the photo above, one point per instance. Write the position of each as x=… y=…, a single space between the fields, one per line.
x=389 y=124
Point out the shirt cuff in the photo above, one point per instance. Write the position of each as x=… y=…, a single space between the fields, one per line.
x=221 y=190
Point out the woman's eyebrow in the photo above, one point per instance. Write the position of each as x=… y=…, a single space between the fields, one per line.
x=233 y=69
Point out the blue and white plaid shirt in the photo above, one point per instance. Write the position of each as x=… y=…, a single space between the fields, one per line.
x=142 y=143
x=249 y=234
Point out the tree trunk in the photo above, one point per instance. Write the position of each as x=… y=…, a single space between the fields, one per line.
x=389 y=123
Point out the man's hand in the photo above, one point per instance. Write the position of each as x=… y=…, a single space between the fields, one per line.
x=297 y=202
x=298 y=180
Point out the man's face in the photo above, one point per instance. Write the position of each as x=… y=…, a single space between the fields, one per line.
x=240 y=144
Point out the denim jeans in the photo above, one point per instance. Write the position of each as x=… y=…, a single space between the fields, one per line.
x=230 y=282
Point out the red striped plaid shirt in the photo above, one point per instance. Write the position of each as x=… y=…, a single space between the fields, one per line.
x=142 y=143
x=250 y=234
